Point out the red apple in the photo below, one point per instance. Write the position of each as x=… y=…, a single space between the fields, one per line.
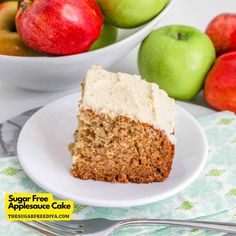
x=59 y=27
x=222 y=31
x=220 y=84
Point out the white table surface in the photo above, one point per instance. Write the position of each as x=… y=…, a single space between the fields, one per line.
x=198 y=13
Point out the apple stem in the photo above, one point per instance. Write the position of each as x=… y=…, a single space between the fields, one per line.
x=18 y=3
x=181 y=36
x=23 y=5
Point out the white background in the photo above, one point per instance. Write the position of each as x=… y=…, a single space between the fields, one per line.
x=197 y=13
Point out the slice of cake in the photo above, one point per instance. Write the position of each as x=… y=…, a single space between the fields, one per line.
x=125 y=131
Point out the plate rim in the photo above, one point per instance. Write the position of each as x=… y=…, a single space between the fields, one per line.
x=115 y=204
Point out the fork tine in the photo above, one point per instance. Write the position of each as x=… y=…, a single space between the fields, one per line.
x=34 y=228
x=66 y=226
x=79 y=223
x=56 y=230
x=96 y=226
x=69 y=225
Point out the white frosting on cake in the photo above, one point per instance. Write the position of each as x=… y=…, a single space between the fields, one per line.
x=116 y=94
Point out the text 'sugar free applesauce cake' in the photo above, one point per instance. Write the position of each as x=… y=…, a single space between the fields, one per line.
x=125 y=131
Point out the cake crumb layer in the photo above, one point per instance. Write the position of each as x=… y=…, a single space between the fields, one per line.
x=119 y=150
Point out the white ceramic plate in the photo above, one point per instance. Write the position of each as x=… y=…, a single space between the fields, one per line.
x=43 y=154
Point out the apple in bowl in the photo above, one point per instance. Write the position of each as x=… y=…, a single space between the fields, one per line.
x=62 y=27
x=10 y=42
x=108 y=36
x=130 y=13
x=55 y=73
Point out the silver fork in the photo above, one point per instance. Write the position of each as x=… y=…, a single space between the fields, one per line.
x=102 y=227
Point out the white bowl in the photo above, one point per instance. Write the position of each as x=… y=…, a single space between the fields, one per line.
x=64 y=72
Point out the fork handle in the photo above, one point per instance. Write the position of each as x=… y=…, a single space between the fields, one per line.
x=215 y=226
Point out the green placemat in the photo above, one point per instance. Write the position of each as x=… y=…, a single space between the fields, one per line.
x=211 y=197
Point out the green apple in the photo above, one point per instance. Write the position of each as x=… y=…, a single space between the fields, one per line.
x=130 y=13
x=178 y=59
x=107 y=37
